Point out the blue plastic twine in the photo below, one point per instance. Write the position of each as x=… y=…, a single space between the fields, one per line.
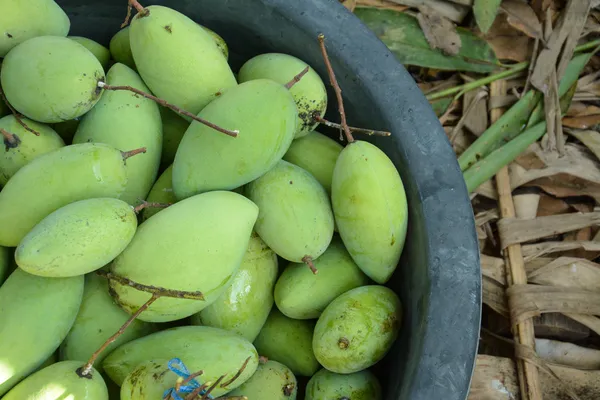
x=183 y=372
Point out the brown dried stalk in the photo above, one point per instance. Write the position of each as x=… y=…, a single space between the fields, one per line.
x=237 y=375
x=163 y=292
x=17 y=115
x=370 y=132
x=131 y=153
x=296 y=78
x=145 y=205
x=309 y=262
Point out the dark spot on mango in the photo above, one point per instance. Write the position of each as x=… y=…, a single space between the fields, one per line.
x=291 y=182
x=169 y=28
x=218 y=94
x=393 y=242
x=389 y=325
x=9 y=35
x=343 y=343
x=288 y=389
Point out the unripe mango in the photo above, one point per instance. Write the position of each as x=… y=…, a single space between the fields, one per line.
x=357 y=329
x=215 y=351
x=149 y=380
x=317 y=154
x=161 y=192
x=51 y=79
x=295 y=217
x=36 y=314
x=371 y=212
x=300 y=294
x=219 y=41
x=245 y=305
x=60 y=381
x=178 y=59
x=309 y=93
x=327 y=385
x=263 y=111
x=51 y=181
x=6 y=255
x=19 y=151
x=22 y=20
x=78 y=238
x=272 y=380
x=120 y=48
x=288 y=341
x=174 y=128
x=98 y=319
x=126 y=121
x=195 y=245
x=99 y=51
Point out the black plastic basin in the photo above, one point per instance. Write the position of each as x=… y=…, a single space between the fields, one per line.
x=439 y=277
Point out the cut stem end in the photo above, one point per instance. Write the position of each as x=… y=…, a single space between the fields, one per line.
x=309 y=261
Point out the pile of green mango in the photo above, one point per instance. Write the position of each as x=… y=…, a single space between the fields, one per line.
x=259 y=258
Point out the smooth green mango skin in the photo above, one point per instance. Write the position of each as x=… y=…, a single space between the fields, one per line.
x=219 y=41
x=245 y=305
x=72 y=90
x=215 y=351
x=149 y=380
x=67 y=129
x=174 y=128
x=288 y=341
x=189 y=79
x=272 y=380
x=60 y=381
x=195 y=245
x=120 y=48
x=317 y=154
x=99 y=51
x=127 y=121
x=371 y=212
x=300 y=294
x=161 y=192
x=98 y=319
x=309 y=93
x=295 y=217
x=29 y=147
x=3 y=107
x=78 y=238
x=51 y=181
x=36 y=314
x=327 y=385
x=22 y=20
x=6 y=254
x=357 y=329
x=263 y=112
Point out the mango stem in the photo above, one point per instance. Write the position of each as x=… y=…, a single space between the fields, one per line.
x=370 y=132
x=17 y=115
x=192 y=396
x=131 y=153
x=138 y=7
x=11 y=140
x=336 y=87
x=288 y=389
x=178 y=294
x=296 y=78
x=237 y=375
x=145 y=204
x=84 y=371
x=164 y=103
x=263 y=359
x=309 y=261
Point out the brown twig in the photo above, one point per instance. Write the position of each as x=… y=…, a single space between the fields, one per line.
x=297 y=78
x=309 y=261
x=131 y=153
x=336 y=87
x=128 y=16
x=263 y=359
x=371 y=132
x=170 y=106
x=11 y=140
x=139 y=8
x=84 y=371
x=17 y=115
x=237 y=375
x=163 y=292
x=145 y=204
x=213 y=387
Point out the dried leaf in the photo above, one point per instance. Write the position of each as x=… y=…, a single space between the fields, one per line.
x=532 y=251
x=591 y=139
x=568 y=272
x=493 y=268
x=485 y=12
x=590 y=321
x=349 y=4
x=493 y=295
x=507 y=42
x=381 y=4
x=439 y=31
x=558 y=326
x=551 y=206
x=403 y=36
x=584 y=122
x=579 y=109
x=522 y=17
x=454 y=12
x=486 y=216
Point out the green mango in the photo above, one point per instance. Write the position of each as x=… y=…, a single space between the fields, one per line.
x=178 y=60
x=357 y=329
x=195 y=245
x=174 y=128
x=263 y=112
x=78 y=238
x=309 y=93
x=300 y=294
x=3 y=107
x=215 y=351
x=371 y=212
x=219 y=41
x=36 y=314
x=120 y=48
x=317 y=154
x=51 y=79
x=51 y=181
x=27 y=146
x=245 y=305
x=272 y=381
x=149 y=380
x=295 y=217
x=288 y=341
x=99 y=51
x=67 y=129
x=98 y=319
x=60 y=381
x=21 y=20
x=6 y=255
x=327 y=385
x=161 y=192
x=125 y=120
